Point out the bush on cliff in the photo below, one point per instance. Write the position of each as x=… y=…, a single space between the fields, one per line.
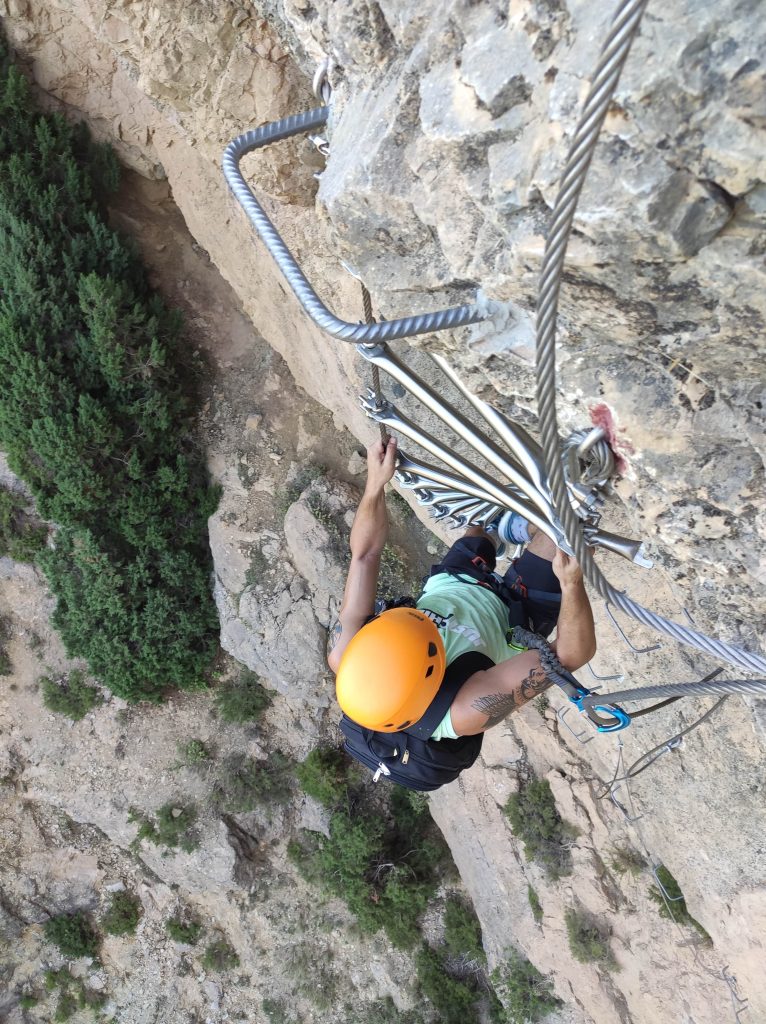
x=385 y=861
x=94 y=413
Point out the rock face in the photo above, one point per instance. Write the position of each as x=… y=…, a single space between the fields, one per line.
x=449 y=128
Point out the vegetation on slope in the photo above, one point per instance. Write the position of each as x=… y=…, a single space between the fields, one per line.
x=385 y=858
x=94 y=415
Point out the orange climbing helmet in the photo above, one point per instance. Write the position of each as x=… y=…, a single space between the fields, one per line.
x=391 y=670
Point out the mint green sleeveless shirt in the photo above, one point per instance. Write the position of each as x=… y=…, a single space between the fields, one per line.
x=469 y=617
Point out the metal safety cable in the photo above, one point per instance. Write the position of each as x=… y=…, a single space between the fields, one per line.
x=612 y=60
x=701 y=689
x=386 y=330
x=649 y=757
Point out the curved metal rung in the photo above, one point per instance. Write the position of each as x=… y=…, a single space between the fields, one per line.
x=605 y=679
x=387 y=414
x=561 y=714
x=386 y=330
x=621 y=807
x=670 y=899
x=623 y=634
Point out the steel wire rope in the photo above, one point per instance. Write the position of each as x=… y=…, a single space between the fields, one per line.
x=754 y=686
x=367 y=333
x=648 y=758
x=610 y=65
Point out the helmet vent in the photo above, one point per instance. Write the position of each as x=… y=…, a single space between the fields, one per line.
x=429 y=671
x=432 y=649
x=403 y=725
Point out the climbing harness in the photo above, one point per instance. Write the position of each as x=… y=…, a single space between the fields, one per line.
x=559 y=488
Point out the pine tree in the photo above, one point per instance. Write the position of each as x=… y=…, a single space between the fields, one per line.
x=95 y=414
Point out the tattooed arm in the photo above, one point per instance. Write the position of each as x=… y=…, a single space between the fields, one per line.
x=488 y=697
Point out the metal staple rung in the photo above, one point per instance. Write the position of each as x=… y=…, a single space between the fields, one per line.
x=387 y=330
x=621 y=631
x=561 y=714
x=605 y=679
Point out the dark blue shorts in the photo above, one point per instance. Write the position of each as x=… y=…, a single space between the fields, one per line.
x=529 y=587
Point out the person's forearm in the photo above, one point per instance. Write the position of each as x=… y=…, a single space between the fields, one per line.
x=575 y=632
x=370 y=530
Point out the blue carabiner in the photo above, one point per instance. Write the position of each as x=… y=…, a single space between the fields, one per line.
x=622 y=717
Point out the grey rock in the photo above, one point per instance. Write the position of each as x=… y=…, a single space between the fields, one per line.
x=275 y=636
x=213 y=995
x=357 y=464
x=315 y=532
x=442 y=172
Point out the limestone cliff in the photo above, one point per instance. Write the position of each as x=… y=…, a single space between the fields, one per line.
x=449 y=127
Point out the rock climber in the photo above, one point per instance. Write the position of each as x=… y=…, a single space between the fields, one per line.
x=390 y=667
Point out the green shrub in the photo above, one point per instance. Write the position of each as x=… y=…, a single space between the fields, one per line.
x=70 y=696
x=325 y=516
x=384 y=860
x=245 y=783
x=183 y=930
x=588 y=941
x=324 y=775
x=462 y=931
x=96 y=412
x=384 y=870
x=66 y=1007
x=171 y=827
x=403 y=899
x=396 y=577
x=542 y=704
x=20 y=538
x=27 y=1002
x=526 y=994
x=381 y=1011
x=242 y=699
x=414 y=837
x=123 y=914
x=220 y=956
x=534 y=904
x=626 y=860
x=53 y=979
x=72 y=994
x=277 y=1011
x=311 y=974
x=73 y=934
x=193 y=754
x=305 y=476
x=455 y=1001
x=535 y=820
x=674 y=905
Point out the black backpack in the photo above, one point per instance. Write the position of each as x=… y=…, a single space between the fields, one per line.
x=409 y=758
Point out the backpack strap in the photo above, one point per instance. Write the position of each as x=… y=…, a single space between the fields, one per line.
x=457 y=673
